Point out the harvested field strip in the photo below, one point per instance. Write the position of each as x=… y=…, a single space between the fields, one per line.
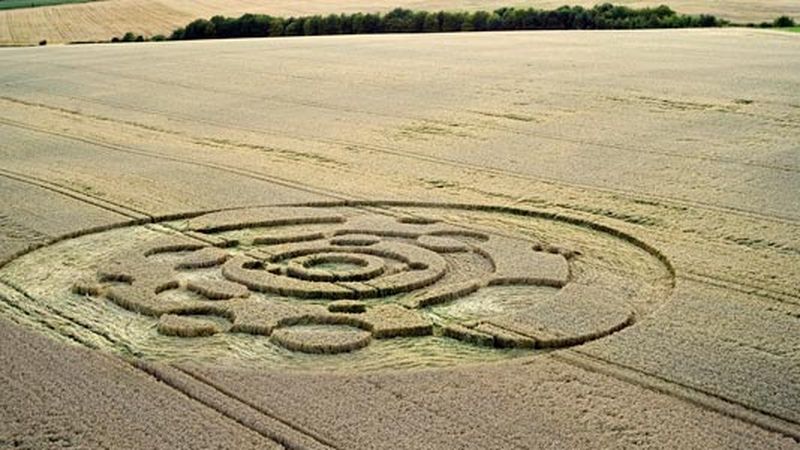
x=18 y=4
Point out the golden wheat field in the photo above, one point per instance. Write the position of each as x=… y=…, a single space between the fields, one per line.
x=102 y=20
x=473 y=240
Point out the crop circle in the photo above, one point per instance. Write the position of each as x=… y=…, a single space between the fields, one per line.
x=347 y=285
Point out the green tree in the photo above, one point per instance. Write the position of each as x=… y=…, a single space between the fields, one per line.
x=480 y=20
x=277 y=27
x=418 y=21
x=495 y=22
x=223 y=26
x=330 y=25
x=346 y=23
x=199 y=29
x=312 y=26
x=294 y=27
x=402 y=20
x=783 y=22
x=431 y=24
x=179 y=33
x=398 y=20
x=453 y=21
x=371 y=23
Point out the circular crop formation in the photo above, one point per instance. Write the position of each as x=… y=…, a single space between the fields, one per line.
x=374 y=281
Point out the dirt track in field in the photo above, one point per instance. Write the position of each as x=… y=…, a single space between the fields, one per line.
x=102 y=20
x=684 y=141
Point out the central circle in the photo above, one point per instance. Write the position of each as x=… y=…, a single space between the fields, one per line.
x=336 y=267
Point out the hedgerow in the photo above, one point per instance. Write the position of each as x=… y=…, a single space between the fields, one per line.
x=400 y=20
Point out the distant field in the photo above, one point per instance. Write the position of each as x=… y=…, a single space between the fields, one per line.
x=792 y=29
x=14 y=4
x=100 y=20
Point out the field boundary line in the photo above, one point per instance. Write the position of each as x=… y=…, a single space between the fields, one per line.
x=68 y=192
x=707 y=400
x=287 y=427
x=221 y=167
x=741 y=287
x=33 y=304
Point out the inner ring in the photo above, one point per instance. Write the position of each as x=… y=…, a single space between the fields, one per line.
x=368 y=267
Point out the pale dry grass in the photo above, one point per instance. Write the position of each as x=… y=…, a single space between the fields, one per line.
x=105 y=19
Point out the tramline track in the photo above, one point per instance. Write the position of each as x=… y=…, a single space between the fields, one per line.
x=330 y=193
x=339 y=109
x=707 y=400
x=434 y=159
x=761 y=419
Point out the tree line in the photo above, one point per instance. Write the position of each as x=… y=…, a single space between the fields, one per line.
x=600 y=17
x=400 y=20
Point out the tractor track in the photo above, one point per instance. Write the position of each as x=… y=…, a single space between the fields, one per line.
x=690 y=394
x=130 y=150
x=444 y=109
x=789 y=220
x=710 y=279
x=610 y=368
x=750 y=415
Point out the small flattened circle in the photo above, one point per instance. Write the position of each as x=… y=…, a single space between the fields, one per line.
x=358 y=267
x=328 y=339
